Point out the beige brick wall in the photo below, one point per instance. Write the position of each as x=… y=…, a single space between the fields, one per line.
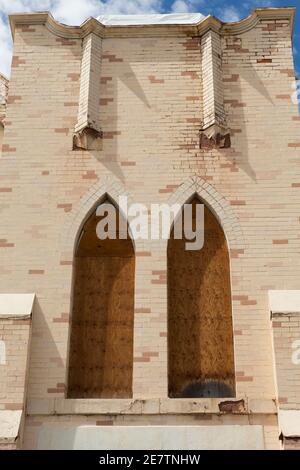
x=3 y=98
x=286 y=333
x=150 y=114
x=15 y=334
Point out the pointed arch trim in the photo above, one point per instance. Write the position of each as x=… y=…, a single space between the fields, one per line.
x=218 y=204
x=106 y=187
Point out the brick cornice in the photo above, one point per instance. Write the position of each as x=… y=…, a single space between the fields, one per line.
x=93 y=25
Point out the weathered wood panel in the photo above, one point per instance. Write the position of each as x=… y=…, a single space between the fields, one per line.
x=101 y=343
x=200 y=334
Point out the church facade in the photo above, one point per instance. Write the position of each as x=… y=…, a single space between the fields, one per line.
x=136 y=342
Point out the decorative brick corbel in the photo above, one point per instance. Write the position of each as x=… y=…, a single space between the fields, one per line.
x=214 y=132
x=88 y=133
x=215 y=137
x=87 y=139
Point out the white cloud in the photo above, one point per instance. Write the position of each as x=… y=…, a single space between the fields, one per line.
x=186 y=6
x=72 y=12
x=180 y=6
x=230 y=14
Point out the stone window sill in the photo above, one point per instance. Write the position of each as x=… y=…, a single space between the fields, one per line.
x=157 y=406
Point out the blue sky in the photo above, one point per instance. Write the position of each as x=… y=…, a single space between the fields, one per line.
x=76 y=11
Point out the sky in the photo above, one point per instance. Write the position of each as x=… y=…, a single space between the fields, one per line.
x=74 y=12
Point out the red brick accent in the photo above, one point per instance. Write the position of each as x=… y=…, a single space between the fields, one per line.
x=69 y=104
x=239 y=298
x=280 y=242
x=5 y=244
x=111 y=134
x=64 y=318
x=8 y=149
x=153 y=79
x=26 y=28
x=283 y=97
x=288 y=72
x=142 y=310
x=105 y=101
x=238 y=333
x=143 y=253
x=16 y=61
x=236 y=253
x=90 y=175
x=192 y=98
x=244 y=300
x=66 y=42
x=282 y=400
x=294 y=145
x=13 y=98
x=128 y=163
x=66 y=206
x=192 y=44
x=264 y=61
x=14 y=406
x=190 y=73
x=104 y=80
x=244 y=379
x=66 y=263
x=238 y=203
x=234 y=78
x=22 y=322
x=141 y=359
x=193 y=121
x=36 y=271
x=235 y=103
x=150 y=354
x=63 y=130
x=248 y=302
x=74 y=76
x=112 y=58
x=5 y=190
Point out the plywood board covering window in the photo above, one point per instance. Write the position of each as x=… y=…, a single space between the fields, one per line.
x=101 y=342
x=200 y=333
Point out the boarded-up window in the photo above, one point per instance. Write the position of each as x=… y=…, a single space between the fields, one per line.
x=200 y=334
x=101 y=342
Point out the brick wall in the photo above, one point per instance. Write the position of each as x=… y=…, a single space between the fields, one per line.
x=150 y=114
x=3 y=98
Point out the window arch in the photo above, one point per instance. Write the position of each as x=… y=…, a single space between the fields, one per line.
x=101 y=339
x=200 y=331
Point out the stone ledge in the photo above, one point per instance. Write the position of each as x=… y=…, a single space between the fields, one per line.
x=16 y=306
x=10 y=422
x=164 y=406
x=284 y=302
x=289 y=423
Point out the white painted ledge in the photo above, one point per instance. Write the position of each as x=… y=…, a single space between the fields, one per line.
x=10 y=422
x=289 y=422
x=151 y=19
x=155 y=406
x=16 y=306
x=228 y=437
x=284 y=301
